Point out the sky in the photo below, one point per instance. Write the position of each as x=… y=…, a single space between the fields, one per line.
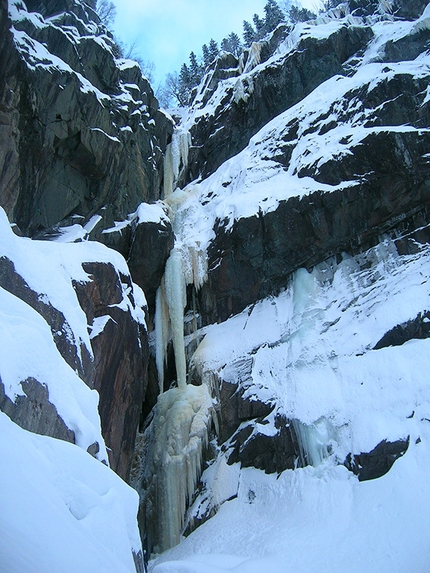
x=166 y=31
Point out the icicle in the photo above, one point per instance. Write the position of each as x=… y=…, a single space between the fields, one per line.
x=176 y=299
x=254 y=57
x=175 y=442
x=162 y=323
x=315 y=441
x=176 y=159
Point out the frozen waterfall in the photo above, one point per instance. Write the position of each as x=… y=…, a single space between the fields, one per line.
x=170 y=302
x=176 y=159
x=171 y=462
x=169 y=457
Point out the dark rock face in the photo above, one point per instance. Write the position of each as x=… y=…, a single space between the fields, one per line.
x=273 y=454
x=269 y=92
x=259 y=254
x=379 y=461
x=409 y=10
x=10 y=94
x=82 y=135
x=85 y=131
x=34 y=412
x=118 y=369
x=242 y=418
x=150 y=248
x=418 y=328
x=120 y=361
x=234 y=407
x=390 y=170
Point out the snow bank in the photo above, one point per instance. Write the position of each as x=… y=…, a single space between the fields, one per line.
x=62 y=510
x=312 y=355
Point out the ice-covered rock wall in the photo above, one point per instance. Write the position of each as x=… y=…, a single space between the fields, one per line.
x=316 y=236
x=279 y=359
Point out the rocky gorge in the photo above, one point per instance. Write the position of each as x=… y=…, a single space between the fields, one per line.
x=210 y=304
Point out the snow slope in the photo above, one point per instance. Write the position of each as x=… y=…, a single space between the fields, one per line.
x=61 y=509
x=312 y=354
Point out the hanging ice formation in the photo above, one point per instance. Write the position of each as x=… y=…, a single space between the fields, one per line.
x=253 y=59
x=186 y=265
x=176 y=159
x=315 y=440
x=178 y=433
x=175 y=441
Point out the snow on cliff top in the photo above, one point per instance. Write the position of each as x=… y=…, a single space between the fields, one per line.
x=252 y=181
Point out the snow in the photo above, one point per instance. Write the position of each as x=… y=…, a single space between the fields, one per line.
x=50 y=267
x=302 y=522
x=61 y=509
x=252 y=182
x=312 y=352
x=28 y=350
x=145 y=213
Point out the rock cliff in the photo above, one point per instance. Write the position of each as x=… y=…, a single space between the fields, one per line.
x=295 y=195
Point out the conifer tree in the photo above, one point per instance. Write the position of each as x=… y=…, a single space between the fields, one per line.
x=232 y=44
x=259 y=25
x=274 y=16
x=213 y=50
x=184 y=85
x=195 y=71
x=206 y=55
x=249 y=34
x=300 y=14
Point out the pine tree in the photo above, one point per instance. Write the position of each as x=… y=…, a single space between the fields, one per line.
x=206 y=55
x=259 y=25
x=328 y=4
x=274 y=16
x=195 y=71
x=249 y=34
x=300 y=14
x=232 y=44
x=184 y=86
x=213 y=50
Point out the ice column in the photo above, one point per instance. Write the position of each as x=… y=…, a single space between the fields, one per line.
x=176 y=159
x=162 y=333
x=175 y=441
x=176 y=298
x=254 y=58
x=315 y=441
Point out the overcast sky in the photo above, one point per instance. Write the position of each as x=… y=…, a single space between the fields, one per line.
x=166 y=31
